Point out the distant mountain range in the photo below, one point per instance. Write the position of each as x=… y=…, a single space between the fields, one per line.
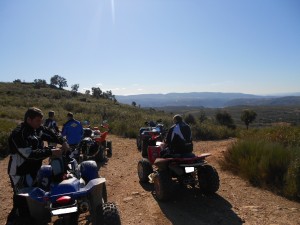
x=208 y=99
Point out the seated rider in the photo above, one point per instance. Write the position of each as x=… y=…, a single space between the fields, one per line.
x=179 y=139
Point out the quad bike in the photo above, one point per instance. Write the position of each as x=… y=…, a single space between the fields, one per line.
x=105 y=146
x=187 y=170
x=66 y=190
x=94 y=145
x=143 y=139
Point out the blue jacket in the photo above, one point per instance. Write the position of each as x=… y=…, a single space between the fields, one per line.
x=73 y=131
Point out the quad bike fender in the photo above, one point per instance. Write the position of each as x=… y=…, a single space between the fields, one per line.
x=92 y=192
x=35 y=202
x=203 y=155
x=94 y=189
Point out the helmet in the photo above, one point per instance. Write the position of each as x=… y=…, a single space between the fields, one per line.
x=177 y=118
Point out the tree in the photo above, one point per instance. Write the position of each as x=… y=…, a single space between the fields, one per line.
x=96 y=92
x=75 y=87
x=225 y=119
x=248 y=116
x=133 y=103
x=17 y=81
x=87 y=92
x=59 y=81
x=39 y=83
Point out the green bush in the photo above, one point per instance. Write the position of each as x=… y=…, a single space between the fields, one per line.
x=266 y=164
x=285 y=135
x=211 y=131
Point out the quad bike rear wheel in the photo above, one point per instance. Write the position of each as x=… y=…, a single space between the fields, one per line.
x=144 y=170
x=208 y=179
x=110 y=214
x=106 y=214
x=163 y=186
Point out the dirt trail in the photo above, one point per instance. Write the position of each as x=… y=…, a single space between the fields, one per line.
x=236 y=202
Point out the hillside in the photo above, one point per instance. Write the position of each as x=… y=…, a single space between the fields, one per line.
x=15 y=98
x=125 y=120
x=208 y=99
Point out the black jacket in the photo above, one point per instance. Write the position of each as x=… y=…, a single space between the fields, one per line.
x=179 y=138
x=51 y=124
x=27 y=150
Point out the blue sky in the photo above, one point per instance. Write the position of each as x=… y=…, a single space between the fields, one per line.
x=154 y=46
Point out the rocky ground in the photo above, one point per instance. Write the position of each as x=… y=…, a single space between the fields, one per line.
x=236 y=202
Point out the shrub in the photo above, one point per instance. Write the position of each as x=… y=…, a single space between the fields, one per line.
x=210 y=131
x=265 y=164
x=287 y=136
x=292 y=179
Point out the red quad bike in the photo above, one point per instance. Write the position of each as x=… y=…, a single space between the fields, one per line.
x=164 y=173
x=94 y=144
x=105 y=146
x=144 y=138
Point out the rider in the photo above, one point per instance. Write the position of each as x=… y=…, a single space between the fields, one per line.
x=73 y=131
x=27 y=151
x=179 y=138
x=51 y=123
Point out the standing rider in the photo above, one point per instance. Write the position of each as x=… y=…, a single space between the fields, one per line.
x=51 y=123
x=73 y=131
x=27 y=151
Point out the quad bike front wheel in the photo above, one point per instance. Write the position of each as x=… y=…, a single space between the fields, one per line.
x=208 y=179
x=144 y=170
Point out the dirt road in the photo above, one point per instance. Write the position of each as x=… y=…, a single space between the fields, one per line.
x=236 y=202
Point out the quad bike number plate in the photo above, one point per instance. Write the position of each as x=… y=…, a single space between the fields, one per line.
x=189 y=169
